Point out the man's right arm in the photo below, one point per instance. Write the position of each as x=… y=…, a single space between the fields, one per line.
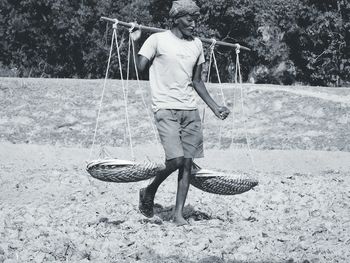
x=141 y=61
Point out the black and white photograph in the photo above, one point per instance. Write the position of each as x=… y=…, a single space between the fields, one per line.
x=175 y=131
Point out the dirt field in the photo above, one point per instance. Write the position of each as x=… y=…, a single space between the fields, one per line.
x=52 y=211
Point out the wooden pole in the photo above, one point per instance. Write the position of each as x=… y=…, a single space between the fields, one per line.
x=155 y=30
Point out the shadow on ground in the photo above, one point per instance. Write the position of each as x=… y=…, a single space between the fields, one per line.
x=166 y=213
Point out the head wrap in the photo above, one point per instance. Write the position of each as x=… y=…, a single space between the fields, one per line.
x=182 y=8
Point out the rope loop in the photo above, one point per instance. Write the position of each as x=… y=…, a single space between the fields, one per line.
x=213 y=43
x=133 y=25
x=238 y=47
x=115 y=25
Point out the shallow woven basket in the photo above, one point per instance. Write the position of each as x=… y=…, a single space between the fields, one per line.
x=221 y=183
x=122 y=171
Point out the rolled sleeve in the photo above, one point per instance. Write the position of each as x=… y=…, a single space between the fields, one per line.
x=201 y=58
x=149 y=48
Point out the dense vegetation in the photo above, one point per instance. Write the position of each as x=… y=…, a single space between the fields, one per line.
x=306 y=41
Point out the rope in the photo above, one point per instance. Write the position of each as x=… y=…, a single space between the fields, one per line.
x=233 y=104
x=233 y=115
x=102 y=95
x=127 y=78
x=219 y=80
x=238 y=77
x=211 y=48
x=124 y=91
x=221 y=90
x=128 y=63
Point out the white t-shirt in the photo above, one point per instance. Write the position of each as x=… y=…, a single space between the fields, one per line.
x=170 y=74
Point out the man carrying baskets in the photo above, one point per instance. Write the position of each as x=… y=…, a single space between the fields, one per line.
x=174 y=59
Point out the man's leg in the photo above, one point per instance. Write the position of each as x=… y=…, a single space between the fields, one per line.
x=147 y=194
x=182 y=190
x=170 y=167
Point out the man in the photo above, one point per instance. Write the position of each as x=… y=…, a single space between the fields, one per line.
x=175 y=58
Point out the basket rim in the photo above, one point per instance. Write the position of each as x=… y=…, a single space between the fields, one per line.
x=205 y=173
x=113 y=161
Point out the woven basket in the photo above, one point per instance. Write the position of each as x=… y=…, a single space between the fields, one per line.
x=220 y=183
x=122 y=171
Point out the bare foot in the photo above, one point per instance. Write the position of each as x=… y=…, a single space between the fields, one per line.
x=180 y=221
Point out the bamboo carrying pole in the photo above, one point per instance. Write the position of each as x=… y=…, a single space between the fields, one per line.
x=154 y=30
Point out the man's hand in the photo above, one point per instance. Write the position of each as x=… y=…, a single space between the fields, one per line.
x=222 y=112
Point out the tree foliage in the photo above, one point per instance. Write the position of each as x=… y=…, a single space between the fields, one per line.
x=321 y=42
x=303 y=41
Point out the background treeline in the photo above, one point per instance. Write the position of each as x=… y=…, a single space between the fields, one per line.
x=303 y=41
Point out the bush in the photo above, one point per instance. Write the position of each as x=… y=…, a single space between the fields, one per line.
x=6 y=71
x=320 y=42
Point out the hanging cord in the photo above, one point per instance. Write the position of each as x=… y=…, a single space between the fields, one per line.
x=211 y=52
x=142 y=97
x=221 y=91
x=102 y=95
x=219 y=80
x=238 y=77
x=124 y=92
x=213 y=58
x=127 y=86
x=233 y=117
x=128 y=66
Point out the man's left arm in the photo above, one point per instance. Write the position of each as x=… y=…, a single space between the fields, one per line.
x=220 y=111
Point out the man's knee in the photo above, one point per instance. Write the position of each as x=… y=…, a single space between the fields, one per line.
x=187 y=164
x=175 y=163
x=185 y=172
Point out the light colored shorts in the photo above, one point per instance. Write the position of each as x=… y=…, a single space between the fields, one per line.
x=180 y=132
